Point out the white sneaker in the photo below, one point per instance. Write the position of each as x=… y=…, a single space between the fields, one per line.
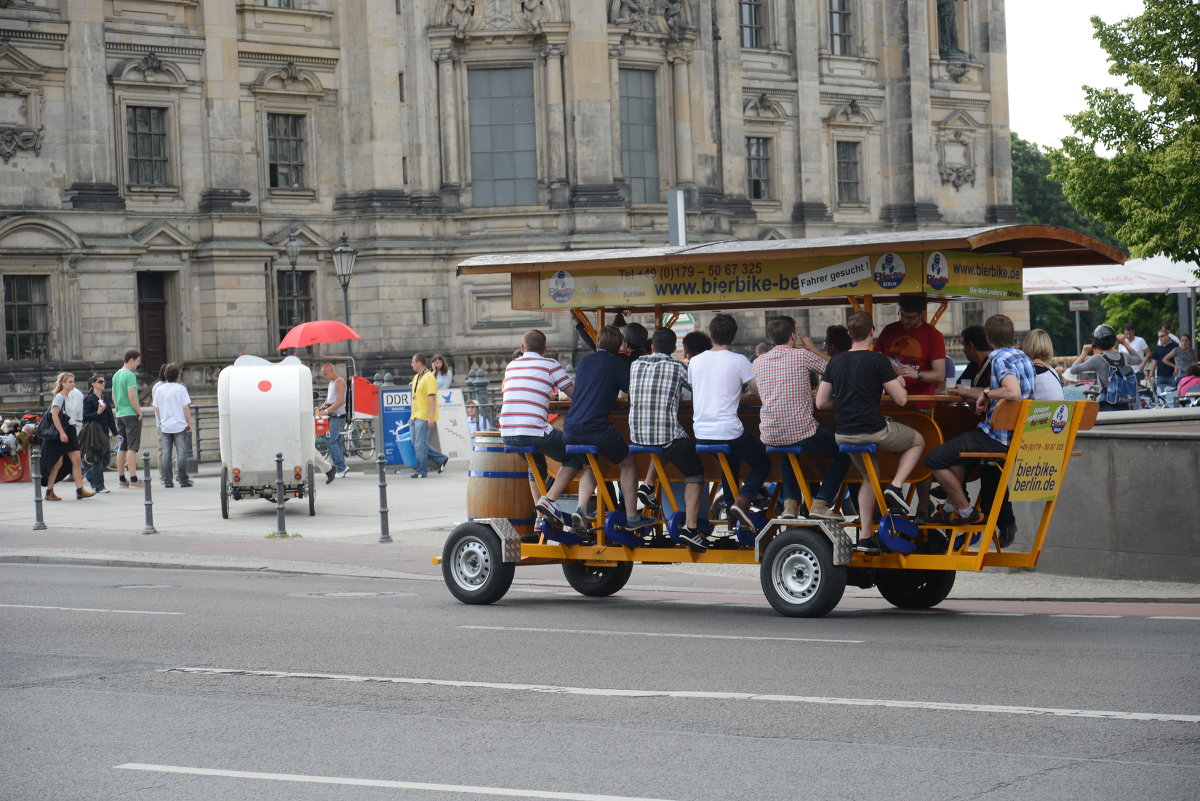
x=345 y=471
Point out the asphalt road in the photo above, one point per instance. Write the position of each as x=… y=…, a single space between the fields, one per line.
x=130 y=683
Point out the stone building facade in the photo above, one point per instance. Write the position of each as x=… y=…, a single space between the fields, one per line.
x=155 y=154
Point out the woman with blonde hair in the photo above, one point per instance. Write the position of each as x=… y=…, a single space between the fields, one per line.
x=59 y=451
x=1040 y=349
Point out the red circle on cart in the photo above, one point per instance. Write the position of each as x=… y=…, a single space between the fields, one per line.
x=264 y=386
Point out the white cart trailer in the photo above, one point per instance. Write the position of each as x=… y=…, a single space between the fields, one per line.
x=266 y=408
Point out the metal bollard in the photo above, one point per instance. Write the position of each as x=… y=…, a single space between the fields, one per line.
x=149 y=529
x=35 y=462
x=384 y=536
x=280 y=525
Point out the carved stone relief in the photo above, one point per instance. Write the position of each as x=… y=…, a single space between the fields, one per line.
x=21 y=104
x=491 y=16
x=673 y=17
x=956 y=159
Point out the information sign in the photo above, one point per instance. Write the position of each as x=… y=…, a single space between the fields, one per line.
x=1077 y=305
x=1039 y=459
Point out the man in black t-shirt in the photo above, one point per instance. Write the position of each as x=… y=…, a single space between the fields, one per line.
x=854 y=381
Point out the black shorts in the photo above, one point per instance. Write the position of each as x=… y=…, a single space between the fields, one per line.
x=682 y=454
x=949 y=453
x=611 y=444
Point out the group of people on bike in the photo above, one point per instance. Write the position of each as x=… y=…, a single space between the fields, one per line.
x=851 y=375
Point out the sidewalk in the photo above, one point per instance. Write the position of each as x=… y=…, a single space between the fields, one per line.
x=342 y=539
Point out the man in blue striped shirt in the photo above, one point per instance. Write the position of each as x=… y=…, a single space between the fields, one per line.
x=1012 y=379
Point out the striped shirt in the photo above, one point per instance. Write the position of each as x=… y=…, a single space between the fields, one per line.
x=1005 y=362
x=529 y=383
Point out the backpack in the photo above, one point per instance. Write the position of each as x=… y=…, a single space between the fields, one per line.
x=1122 y=384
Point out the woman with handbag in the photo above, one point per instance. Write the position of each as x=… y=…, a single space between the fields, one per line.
x=60 y=444
x=98 y=426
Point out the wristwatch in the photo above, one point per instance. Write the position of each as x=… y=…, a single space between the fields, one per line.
x=920 y=376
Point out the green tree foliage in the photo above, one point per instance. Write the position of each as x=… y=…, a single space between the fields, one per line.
x=1148 y=190
x=1040 y=200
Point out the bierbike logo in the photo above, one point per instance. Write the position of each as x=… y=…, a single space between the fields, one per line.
x=889 y=270
x=562 y=287
x=1059 y=421
x=936 y=274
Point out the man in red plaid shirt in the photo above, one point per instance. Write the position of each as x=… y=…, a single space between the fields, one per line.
x=783 y=375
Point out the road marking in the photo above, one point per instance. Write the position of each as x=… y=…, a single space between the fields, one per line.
x=707 y=696
x=1103 y=616
x=80 y=609
x=395 y=785
x=1174 y=617
x=660 y=634
x=994 y=614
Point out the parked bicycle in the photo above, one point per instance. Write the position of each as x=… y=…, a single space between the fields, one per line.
x=358 y=438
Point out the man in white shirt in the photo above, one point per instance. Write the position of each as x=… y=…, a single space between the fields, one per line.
x=717 y=377
x=1136 y=347
x=172 y=408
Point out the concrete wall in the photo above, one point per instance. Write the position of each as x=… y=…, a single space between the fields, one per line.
x=1129 y=508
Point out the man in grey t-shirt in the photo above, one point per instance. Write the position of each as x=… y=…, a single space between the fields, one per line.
x=1098 y=357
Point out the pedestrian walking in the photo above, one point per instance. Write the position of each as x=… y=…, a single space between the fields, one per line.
x=128 y=411
x=424 y=418
x=95 y=446
x=60 y=452
x=335 y=407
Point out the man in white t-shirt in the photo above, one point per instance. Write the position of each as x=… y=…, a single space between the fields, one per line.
x=1136 y=347
x=172 y=408
x=717 y=377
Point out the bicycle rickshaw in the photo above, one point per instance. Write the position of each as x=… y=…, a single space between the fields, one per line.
x=805 y=564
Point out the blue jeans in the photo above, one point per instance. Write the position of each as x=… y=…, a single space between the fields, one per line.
x=822 y=444
x=746 y=447
x=94 y=473
x=181 y=443
x=426 y=453
x=337 y=454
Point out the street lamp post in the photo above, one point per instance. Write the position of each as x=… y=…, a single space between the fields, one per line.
x=293 y=255
x=343 y=265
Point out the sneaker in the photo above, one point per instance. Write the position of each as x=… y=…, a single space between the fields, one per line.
x=417 y=475
x=638 y=521
x=50 y=496
x=81 y=493
x=971 y=518
x=739 y=515
x=869 y=545
x=647 y=499
x=820 y=510
x=345 y=471
x=441 y=467
x=937 y=517
x=693 y=539
x=791 y=509
x=548 y=508
x=168 y=484
x=580 y=523
x=186 y=484
x=102 y=488
x=122 y=482
x=330 y=474
x=895 y=501
x=1007 y=535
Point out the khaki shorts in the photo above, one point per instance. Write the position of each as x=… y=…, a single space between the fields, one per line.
x=893 y=437
x=130 y=430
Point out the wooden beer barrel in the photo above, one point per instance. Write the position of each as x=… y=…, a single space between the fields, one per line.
x=498 y=483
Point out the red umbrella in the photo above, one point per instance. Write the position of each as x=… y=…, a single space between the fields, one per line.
x=317 y=331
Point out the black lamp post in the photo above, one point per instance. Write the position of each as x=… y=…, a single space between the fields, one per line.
x=293 y=254
x=343 y=265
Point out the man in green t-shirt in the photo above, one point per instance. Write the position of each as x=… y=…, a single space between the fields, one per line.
x=128 y=412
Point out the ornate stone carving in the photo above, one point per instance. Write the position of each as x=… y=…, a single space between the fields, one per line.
x=533 y=12
x=616 y=50
x=151 y=63
x=458 y=16
x=641 y=15
x=677 y=16
x=554 y=51
x=13 y=139
x=957 y=70
x=956 y=160
x=290 y=72
x=498 y=15
x=947 y=19
x=445 y=54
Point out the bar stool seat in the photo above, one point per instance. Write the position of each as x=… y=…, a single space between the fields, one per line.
x=520 y=449
x=796 y=449
x=655 y=449
x=713 y=447
x=592 y=449
x=869 y=447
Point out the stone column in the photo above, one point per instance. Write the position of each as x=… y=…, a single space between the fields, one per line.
x=449 y=134
x=594 y=109
x=812 y=152
x=615 y=51
x=556 y=132
x=93 y=169
x=1000 y=204
x=684 y=174
x=228 y=171
x=732 y=134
